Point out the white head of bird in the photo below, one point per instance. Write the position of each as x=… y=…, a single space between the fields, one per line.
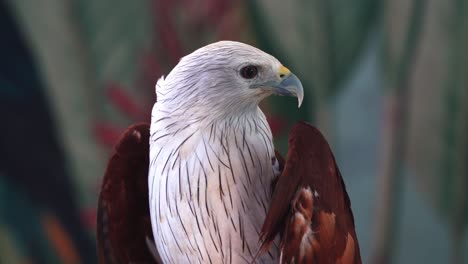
x=226 y=77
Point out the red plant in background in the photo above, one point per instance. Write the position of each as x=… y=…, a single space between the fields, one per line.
x=199 y=17
x=108 y=133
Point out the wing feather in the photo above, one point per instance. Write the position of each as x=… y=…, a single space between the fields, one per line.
x=123 y=211
x=310 y=208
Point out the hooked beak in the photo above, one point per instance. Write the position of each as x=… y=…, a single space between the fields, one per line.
x=287 y=84
x=290 y=85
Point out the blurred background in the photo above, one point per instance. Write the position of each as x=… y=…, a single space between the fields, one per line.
x=386 y=82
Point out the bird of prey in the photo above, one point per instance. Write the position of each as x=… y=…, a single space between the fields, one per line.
x=204 y=182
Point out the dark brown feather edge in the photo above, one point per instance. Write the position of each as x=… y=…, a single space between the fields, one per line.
x=310 y=163
x=123 y=221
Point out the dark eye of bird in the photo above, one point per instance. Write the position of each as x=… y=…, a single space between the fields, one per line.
x=249 y=72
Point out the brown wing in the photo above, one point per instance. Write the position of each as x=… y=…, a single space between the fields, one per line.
x=310 y=208
x=123 y=221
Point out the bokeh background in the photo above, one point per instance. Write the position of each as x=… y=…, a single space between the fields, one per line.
x=386 y=82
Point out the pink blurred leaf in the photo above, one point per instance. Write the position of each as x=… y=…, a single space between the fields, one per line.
x=166 y=29
x=123 y=101
x=106 y=134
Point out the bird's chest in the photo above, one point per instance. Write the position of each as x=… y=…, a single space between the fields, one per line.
x=209 y=193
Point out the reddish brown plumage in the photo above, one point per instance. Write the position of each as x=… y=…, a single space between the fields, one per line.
x=296 y=210
x=310 y=195
x=123 y=213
